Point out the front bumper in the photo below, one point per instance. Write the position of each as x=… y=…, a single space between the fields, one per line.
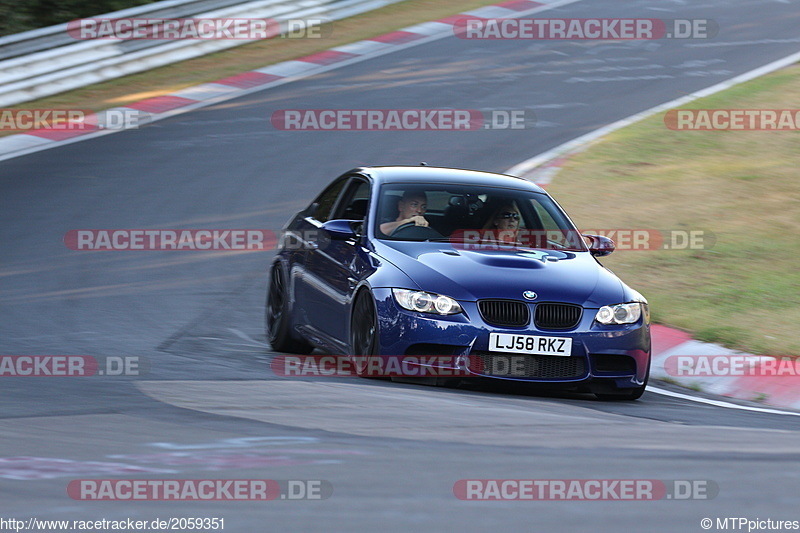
x=615 y=357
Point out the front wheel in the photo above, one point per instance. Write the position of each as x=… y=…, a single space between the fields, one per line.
x=277 y=317
x=364 y=335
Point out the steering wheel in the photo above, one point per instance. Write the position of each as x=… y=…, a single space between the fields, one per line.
x=401 y=227
x=411 y=231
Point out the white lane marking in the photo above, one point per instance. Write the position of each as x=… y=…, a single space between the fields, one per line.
x=743 y=43
x=719 y=403
x=581 y=143
x=603 y=79
x=489 y=12
x=245 y=337
x=239 y=442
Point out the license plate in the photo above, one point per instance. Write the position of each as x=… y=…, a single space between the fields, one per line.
x=530 y=344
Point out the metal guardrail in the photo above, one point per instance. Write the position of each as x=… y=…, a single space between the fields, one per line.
x=41 y=39
x=47 y=61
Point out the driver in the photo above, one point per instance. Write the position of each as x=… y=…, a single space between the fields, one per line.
x=410 y=209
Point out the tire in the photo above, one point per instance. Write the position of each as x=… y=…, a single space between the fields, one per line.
x=626 y=394
x=364 y=334
x=276 y=318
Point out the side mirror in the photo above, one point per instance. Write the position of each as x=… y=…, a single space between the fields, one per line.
x=340 y=230
x=599 y=246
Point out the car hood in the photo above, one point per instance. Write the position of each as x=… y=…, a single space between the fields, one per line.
x=468 y=275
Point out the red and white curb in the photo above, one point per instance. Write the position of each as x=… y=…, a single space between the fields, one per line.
x=160 y=107
x=759 y=382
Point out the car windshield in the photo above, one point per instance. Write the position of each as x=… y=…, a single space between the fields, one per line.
x=474 y=216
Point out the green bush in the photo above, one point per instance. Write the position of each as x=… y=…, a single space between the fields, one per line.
x=23 y=15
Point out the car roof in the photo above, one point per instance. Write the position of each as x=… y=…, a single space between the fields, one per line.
x=426 y=174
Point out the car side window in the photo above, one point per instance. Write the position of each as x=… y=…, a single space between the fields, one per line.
x=354 y=201
x=327 y=200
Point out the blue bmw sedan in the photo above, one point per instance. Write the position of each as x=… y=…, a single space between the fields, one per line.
x=483 y=271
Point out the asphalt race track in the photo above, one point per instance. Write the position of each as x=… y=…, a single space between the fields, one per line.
x=209 y=407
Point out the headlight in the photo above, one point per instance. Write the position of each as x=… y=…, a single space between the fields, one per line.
x=426 y=302
x=619 y=313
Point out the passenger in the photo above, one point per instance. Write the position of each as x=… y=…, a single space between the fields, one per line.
x=504 y=222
